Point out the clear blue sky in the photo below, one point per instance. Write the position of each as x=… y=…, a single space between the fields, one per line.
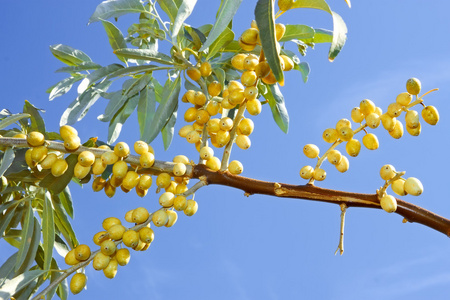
x=263 y=247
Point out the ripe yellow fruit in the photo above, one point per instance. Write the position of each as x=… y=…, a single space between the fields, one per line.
x=235 y=97
x=86 y=158
x=110 y=190
x=319 y=174
x=70 y=258
x=80 y=172
x=343 y=165
x=343 y=123
x=414 y=131
x=413 y=86
x=394 y=110
x=249 y=78
x=397 y=132
x=205 y=69
x=373 y=120
x=235 y=167
x=123 y=256
x=367 y=106
x=356 y=115
x=108 y=247
x=387 y=172
x=206 y=152
x=214 y=88
x=146 y=235
x=100 y=261
x=280 y=29
x=250 y=36
x=98 y=167
x=193 y=137
x=243 y=141
x=191 y=114
x=166 y=199
x=246 y=126
x=306 y=172
x=191 y=208
x=179 y=169
x=370 y=140
x=173 y=217
x=311 y=150
x=99 y=237
x=213 y=108
x=199 y=98
x=189 y=97
x=67 y=131
x=140 y=147
x=194 y=73
x=262 y=70
x=59 y=167
x=130 y=238
x=116 y=232
x=141 y=246
x=250 y=62
x=213 y=125
x=163 y=180
x=353 y=147
x=185 y=130
x=147 y=159
x=145 y=182
x=404 y=99
x=388 y=203
x=334 y=157
x=109 y=158
x=413 y=186
x=330 y=135
x=226 y=124
x=120 y=169
x=222 y=138
x=111 y=270
x=160 y=218
x=398 y=186
x=254 y=107
x=77 y=283
x=179 y=203
x=48 y=161
x=82 y=252
x=412 y=119
x=388 y=122
x=39 y=153
x=213 y=163
x=28 y=159
x=345 y=133
x=202 y=116
x=122 y=149
x=285 y=5
x=238 y=61
x=72 y=143
x=181 y=188
x=430 y=114
x=109 y=222
x=35 y=139
x=140 y=215
x=378 y=111
x=288 y=62
x=131 y=180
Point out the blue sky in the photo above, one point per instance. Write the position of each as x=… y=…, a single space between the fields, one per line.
x=263 y=247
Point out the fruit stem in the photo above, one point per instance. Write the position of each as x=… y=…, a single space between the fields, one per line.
x=227 y=151
x=382 y=191
x=340 y=247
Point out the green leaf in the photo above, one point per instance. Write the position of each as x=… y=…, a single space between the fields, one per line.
x=184 y=11
x=57 y=184
x=96 y=75
x=7 y=269
x=16 y=284
x=66 y=200
x=68 y=55
x=60 y=246
x=116 y=8
x=146 y=109
x=265 y=19
x=339 y=36
x=26 y=237
x=320 y=36
x=303 y=67
x=168 y=104
x=8 y=158
x=169 y=7
x=63 y=290
x=5 y=220
x=115 y=37
x=84 y=66
x=226 y=13
x=132 y=70
x=48 y=232
x=62 y=222
x=31 y=248
x=12 y=119
x=29 y=289
x=119 y=119
x=299 y=32
x=276 y=103
x=53 y=277
x=116 y=101
x=80 y=106
x=168 y=130
x=63 y=86
x=220 y=75
x=138 y=85
x=222 y=40
x=316 y=4
x=145 y=54
x=37 y=122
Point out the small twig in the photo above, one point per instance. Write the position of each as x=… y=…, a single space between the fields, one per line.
x=340 y=247
x=201 y=183
x=227 y=151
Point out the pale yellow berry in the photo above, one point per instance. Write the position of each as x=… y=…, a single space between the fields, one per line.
x=412 y=119
x=394 y=110
x=86 y=158
x=109 y=158
x=319 y=174
x=123 y=256
x=191 y=208
x=213 y=125
x=238 y=61
x=179 y=203
x=193 y=137
x=343 y=165
x=140 y=215
x=48 y=161
x=173 y=217
x=243 y=141
x=130 y=238
x=222 y=138
x=388 y=203
x=370 y=140
x=59 y=167
x=378 y=111
x=334 y=156
x=140 y=147
x=311 y=150
x=356 y=115
x=147 y=159
x=235 y=167
x=98 y=167
x=67 y=131
x=397 y=132
x=246 y=126
x=343 y=123
x=213 y=163
x=80 y=172
x=99 y=237
x=35 y=139
x=404 y=99
x=77 y=283
x=306 y=172
x=70 y=258
x=160 y=218
x=226 y=123
x=72 y=143
x=398 y=186
x=145 y=182
x=163 y=180
x=413 y=86
x=82 y=252
x=179 y=169
x=373 y=120
x=108 y=247
x=111 y=270
x=413 y=186
x=254 y=107
x=100 y=261
x=414 y=131
x=367 y=107
x=353 y=147
x=206 y=152
x=109 y=222
x=120 y=169
x=387 y=172
x=430 y=114
x=330 y=135
x=39 y=153
x=388 y=122
x=130 y=180
x=166 y=199
x=116 y=232
x=345 y=133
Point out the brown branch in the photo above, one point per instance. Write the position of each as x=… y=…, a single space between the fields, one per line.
x=410 y=212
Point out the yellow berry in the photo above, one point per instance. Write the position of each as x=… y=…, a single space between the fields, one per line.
x=140 y=147
x=147 y=159
x=191 y=208
x=109 y=158
x=236 y=97
x=235 y=167
x=179 y=203
x=413 y=86
x=311 y=150
x=387 y=172
x=82 y=252
x=72 y=143
x=397 y=132
x=262 y=69
x=67 y=131
x=111 y=270
x=39 y=153
x=77 y=283
x=254 y=107
x=353 y=147
x=193 y=137
x=185 y=130
x=250 y=62
x=388 y=122
x=146 y=235
x=249 y=78
x=319 y=174
x=160 y=218
x=243 y=141
x=100 y=261
x=166 y=199
x=145 y=182
x=394 y=110
x=398 y=186
x=343 y=165
x=35 y=139
x=199 y=98
x=388 y=203
x=98 y=167
x=356 y=115
x=205 y=69
x=194 y=73
x=285 y=5
x=280 y=29
x=130 y=238
x=116 y=232
x=108 y=247
x=99 y=237
x=213 y=163
x=213 y=108
x=214 y=88
x=288 y=62
x=404 y=99
x=130 y=180
x=173 y=216
x=345 y=133
x=48 y=161
x=59 y=167
x=414 y=131
x=109 y=222
x=367 y=106
x=430 y=114
x=238 y=61
x=123 y=256
x=306 y=172
x=163 y=180
x=413 y=186
x=222 y=137
x=86 y=158
x=110 y=190
x=330 y=135
x=122 y=149
x=250 y=36
x=206 y=153
x=370 y=140
x=140 y=215
x=334 y=157
x=373 y=120
x=80 y=172
x=70 y=258
x=412 y=119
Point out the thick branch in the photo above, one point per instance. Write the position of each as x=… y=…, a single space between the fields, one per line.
x=410 y=212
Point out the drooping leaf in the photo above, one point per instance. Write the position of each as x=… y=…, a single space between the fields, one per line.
x=84 y=66
x=7 y=269
x=145 y=54
x=276 y=103
x=303 y=67
x=132 y=70
x=27 y=291
x=96 y=75
x=265 y=19
x=63 y=86
x=37 y=122
x=320 y=36
x=222 y=40
x=8 y=158
x=170 y=8
x=48 y=232
x=299 y=32
x=339 y=36
x=168 y=130
x=60 y=246
x=316 y=4
x=115 y=37
x=116 y=8
x=184 y=11
x=63 y=290
x=5 y=220
x=119 y=119
x=66 y=200
x=80 y=106
x=31 y=248
x=26 y=237
x=16 y=284
x=146 y=109
x=57 y=184
x=168 y=104
x=225 y=15
x=12 y=119
x=62 y=222
x=68 y=55
x=138 y=85
x=53 y=277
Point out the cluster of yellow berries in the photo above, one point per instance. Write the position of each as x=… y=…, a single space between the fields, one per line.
x=368 y=115
x=399 y=185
